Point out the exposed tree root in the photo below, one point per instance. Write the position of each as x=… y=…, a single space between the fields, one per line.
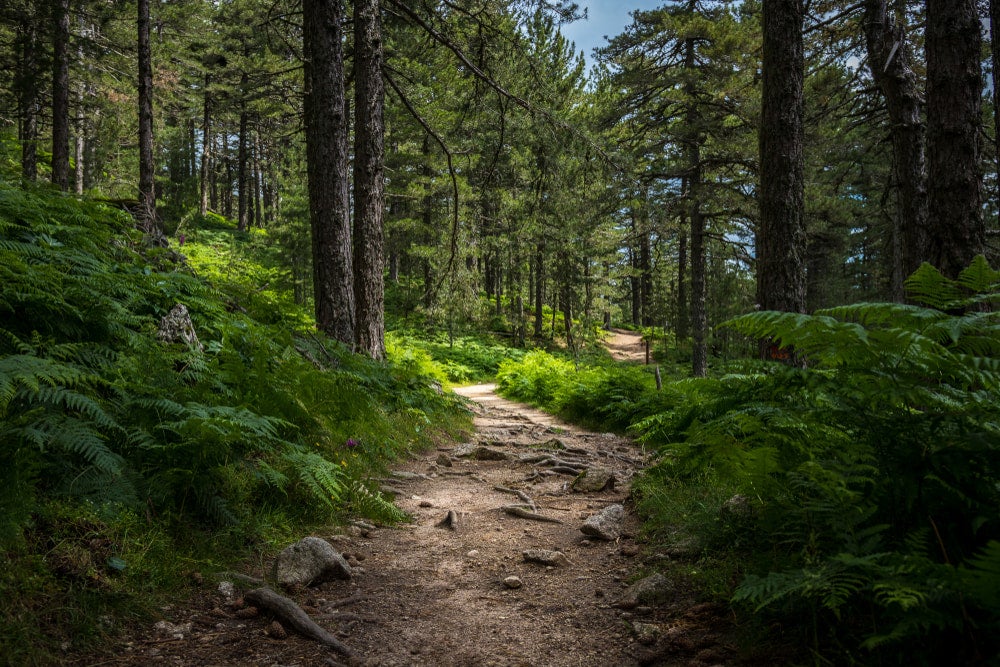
x=525 y=513
x=293 y=616
x=520 y=494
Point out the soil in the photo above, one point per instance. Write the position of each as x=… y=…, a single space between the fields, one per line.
x=430 y=595
x=626 y=346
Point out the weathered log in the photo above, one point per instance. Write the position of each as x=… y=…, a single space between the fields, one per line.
x=293 y=616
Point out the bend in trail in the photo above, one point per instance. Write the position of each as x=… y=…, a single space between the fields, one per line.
x=462 y=585
x=624 y=345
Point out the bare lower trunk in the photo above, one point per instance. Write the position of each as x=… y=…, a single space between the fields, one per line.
x=60 y=94
x=147 y=192
x=369 y=181
x=954 y=86
x=327 y=166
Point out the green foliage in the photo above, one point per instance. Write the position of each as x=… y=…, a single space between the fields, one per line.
x=268 y=422
x=606 y=396
x=874 y=468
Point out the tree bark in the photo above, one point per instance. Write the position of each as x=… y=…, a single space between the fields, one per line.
x=369 y=181
x=539 y=289
x=781 y=237
x=243 y=165
x=891 y=62
x=327 y=167
x=206 y=148
x=147 y=188
x=995 y=59
x=682 y=328
x=28 y=93
x=60 y=94
x=954 y=85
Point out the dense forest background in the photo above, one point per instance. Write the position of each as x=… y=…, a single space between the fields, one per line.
x=796 y=203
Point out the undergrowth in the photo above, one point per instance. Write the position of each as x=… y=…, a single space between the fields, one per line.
x=115 y=443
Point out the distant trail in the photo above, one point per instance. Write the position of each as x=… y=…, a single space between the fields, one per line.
x=626 y=346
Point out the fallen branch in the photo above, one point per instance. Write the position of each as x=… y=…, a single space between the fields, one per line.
x=292 y=614
x=524 y=513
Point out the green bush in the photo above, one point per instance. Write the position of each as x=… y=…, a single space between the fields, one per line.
x=872 y=470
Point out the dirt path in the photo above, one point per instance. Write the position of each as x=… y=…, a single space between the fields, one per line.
x=426 y=595
x=626 y=346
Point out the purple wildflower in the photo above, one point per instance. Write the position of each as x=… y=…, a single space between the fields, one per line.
x=351 y=442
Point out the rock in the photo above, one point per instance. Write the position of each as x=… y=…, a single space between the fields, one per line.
x=226 y=589
x=513 y=582
x=308 y=561
x=444 y=460
x=472 y=554
x=738 y=507
x=479 y=452
x=545 y=557
x=168 y=629
x=646 y=633
x=606 y=524
x=593 y=480
x=426 y=503
x=651 y=590
x=629 y=550
x=177 y=327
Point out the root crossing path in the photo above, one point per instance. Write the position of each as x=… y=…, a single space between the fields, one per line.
x=494 y=569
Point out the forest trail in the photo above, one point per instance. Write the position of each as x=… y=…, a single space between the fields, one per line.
x=626 y=345
x=424 y=594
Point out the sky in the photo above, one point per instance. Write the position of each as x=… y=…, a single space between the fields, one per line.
x=604 y=18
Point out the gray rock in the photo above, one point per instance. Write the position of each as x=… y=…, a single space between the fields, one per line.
x=606 y=524
x=593 y=480
x=480 y=453
x=646 y=633
x=177 y=327
x=653 y=589
x=513 y=582
x=308 y=561
x=545 y=557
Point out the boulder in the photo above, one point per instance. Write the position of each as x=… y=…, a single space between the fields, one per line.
x=606 y=524
x=545 y=557
x=653 y=589
x=311 y=560
x=177 y=327
x=593 y=480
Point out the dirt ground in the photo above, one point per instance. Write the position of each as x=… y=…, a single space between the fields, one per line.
x=626 y=346
x=430 y=595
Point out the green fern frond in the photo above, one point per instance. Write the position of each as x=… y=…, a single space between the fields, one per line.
x=927 y=285
x=372 y=505
x=320 y=477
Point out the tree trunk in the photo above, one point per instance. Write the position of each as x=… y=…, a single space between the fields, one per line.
x=891 y=63
x=683 y=313
x=954 y=86
x=206 y=148
x=699 y=320
x=781 y=237
x=327 y=166
x=539 y=288
x=147 y=187
x=995 y=59
x=369 y=180
x=60 y=94
x=243 y=165
x=28 y=94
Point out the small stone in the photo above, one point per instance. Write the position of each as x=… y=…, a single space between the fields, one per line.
x=594 y=480
x=630 y=550
x=426 y=503
x=545 y=557
x=646 y=633
x=606 y=524
x=472 y=554
x=513 y=582
x=226 y=589
x=652 y=589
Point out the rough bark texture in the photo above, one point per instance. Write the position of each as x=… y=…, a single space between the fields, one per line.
x=60 y=94
x=539 y=288
x=147 y=193
x=327 y=166
x=206 y=148
x=891 y=62
x=699 y=318
x=369 y=181
x=28 y=94
x=995 y=57
x=781 y=244
x=954 y=85
x=243 y=166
